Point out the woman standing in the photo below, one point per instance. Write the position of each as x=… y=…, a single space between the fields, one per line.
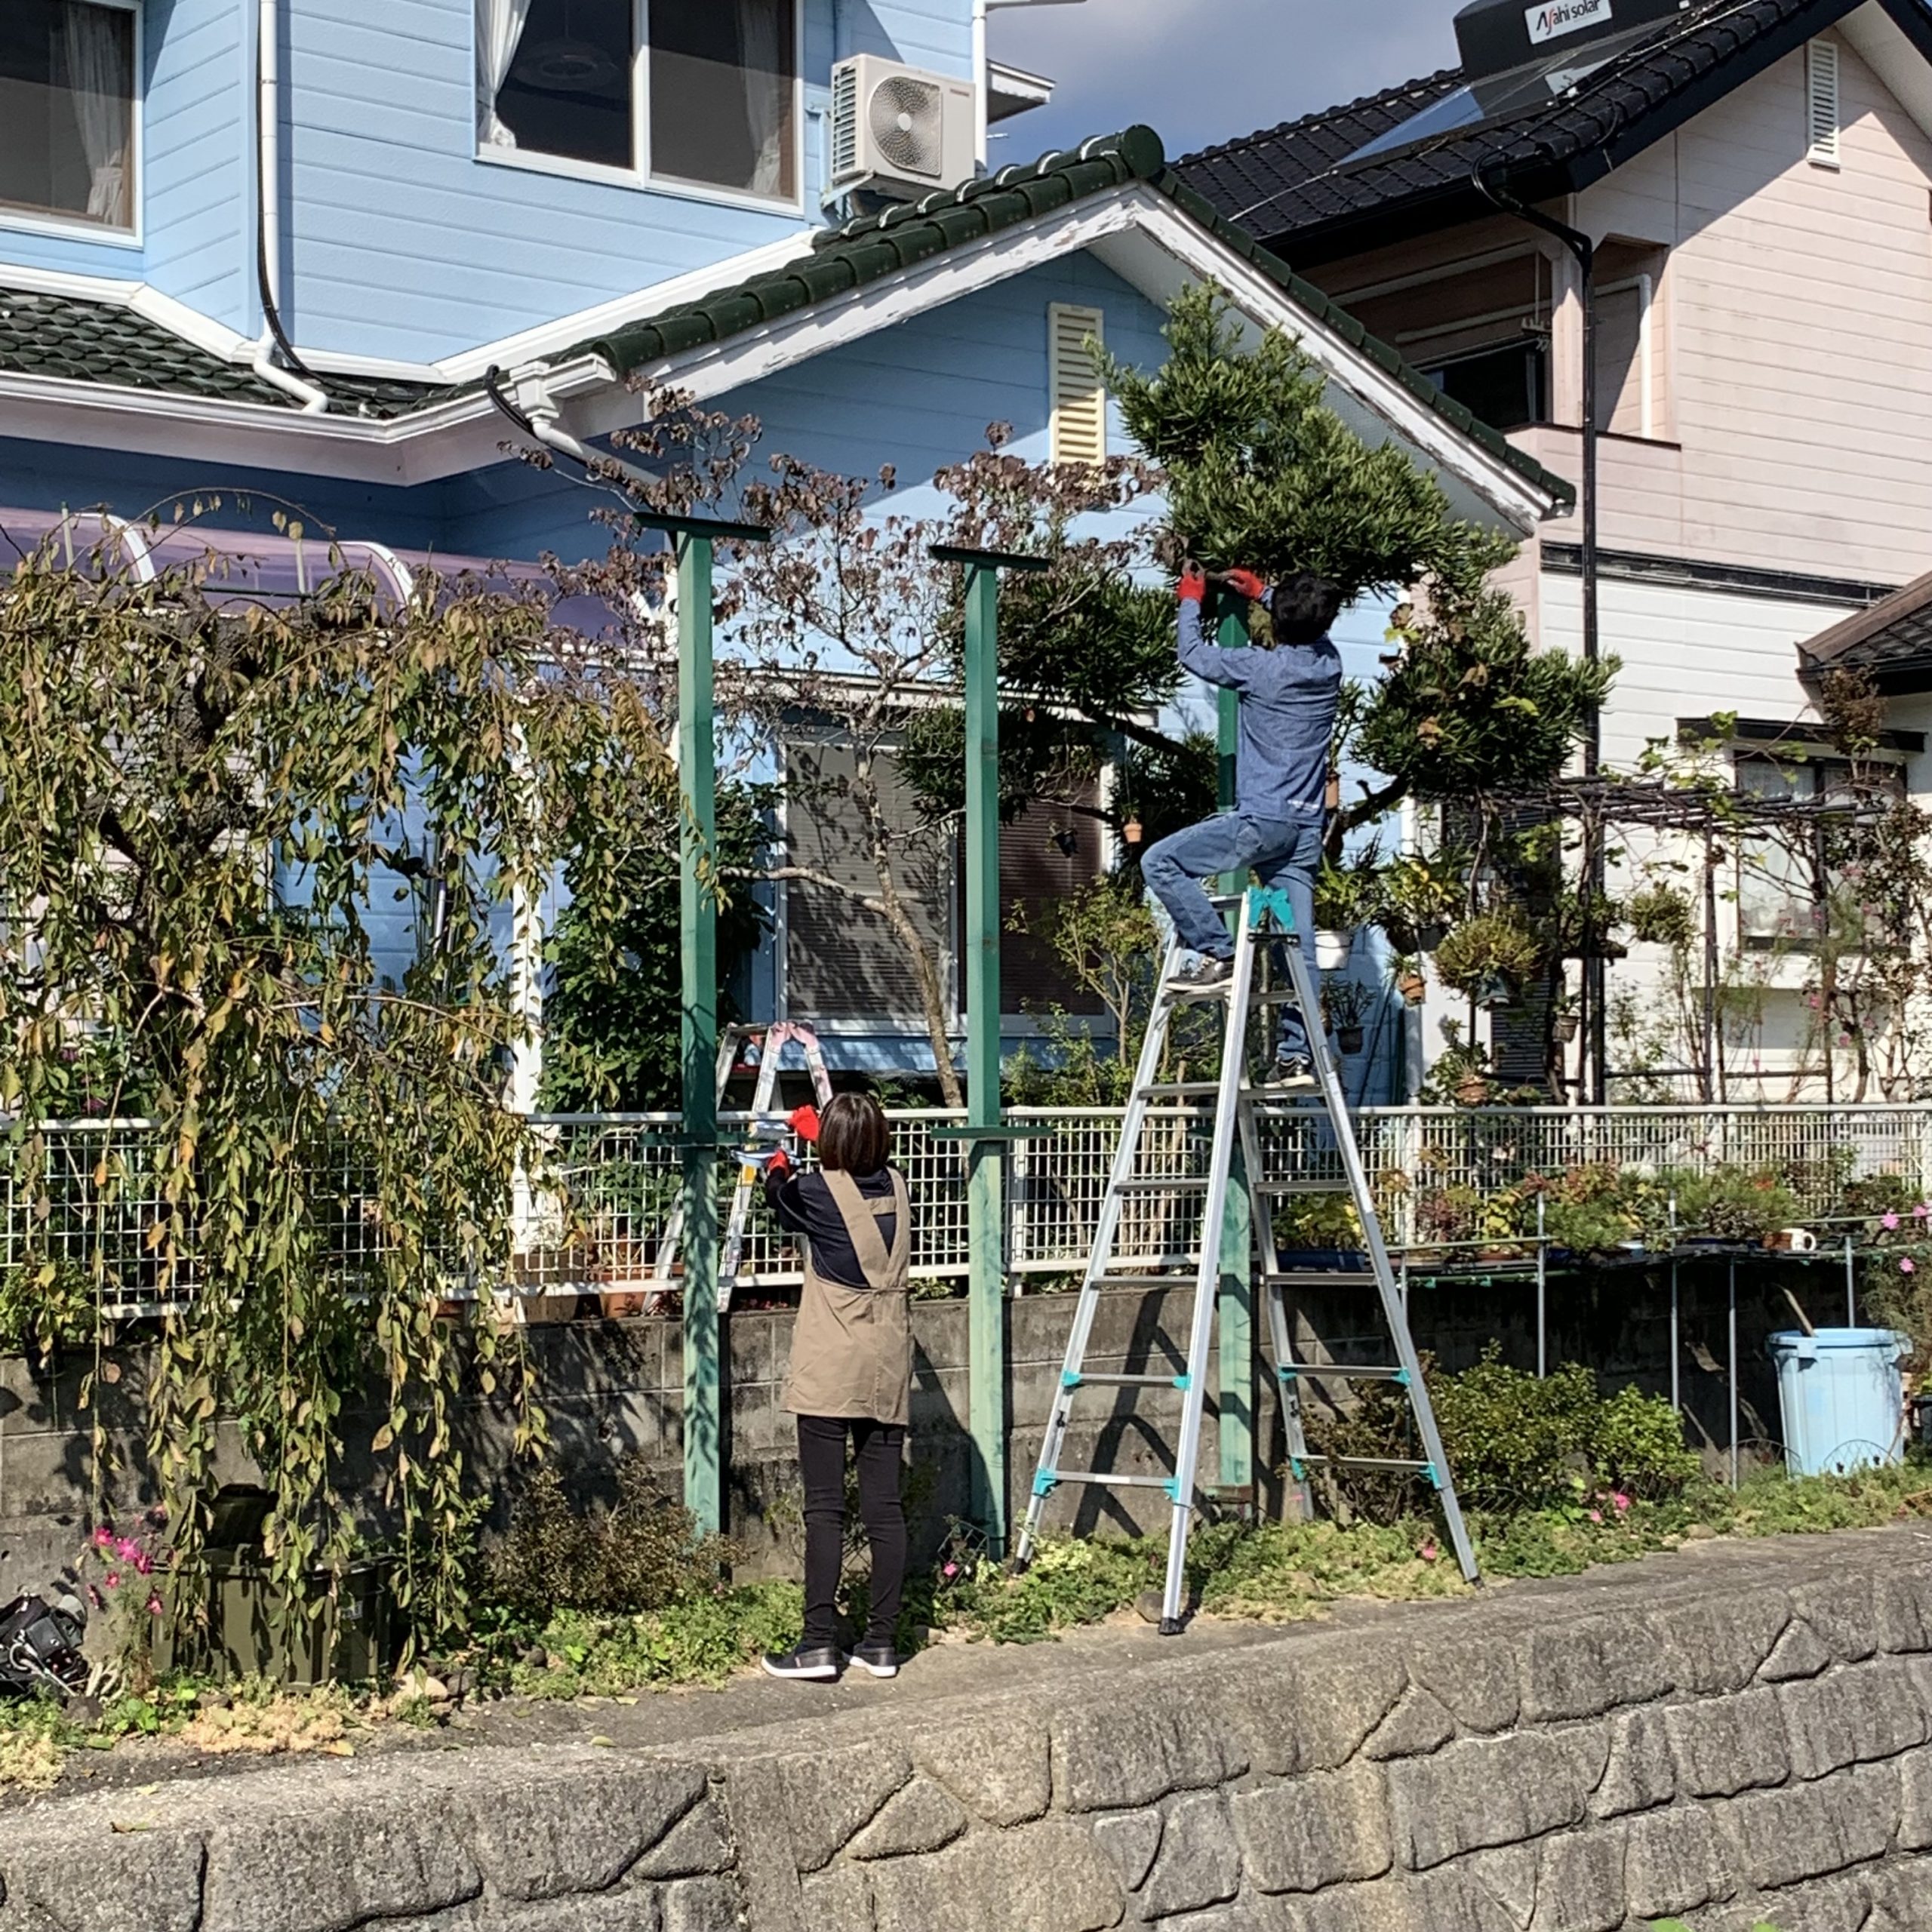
x=851 y=1370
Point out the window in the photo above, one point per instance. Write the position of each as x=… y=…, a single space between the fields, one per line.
x=706 y=96
x=722 y=75
x=1480 y=333
x=1077 y=423
x=1821 y=103
x=1785 y=880
x=1628 y=275
x=67 y=110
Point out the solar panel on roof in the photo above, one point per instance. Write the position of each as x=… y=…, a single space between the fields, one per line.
x=1505 y=96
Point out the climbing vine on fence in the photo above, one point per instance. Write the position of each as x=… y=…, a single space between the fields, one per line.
x=262 y=864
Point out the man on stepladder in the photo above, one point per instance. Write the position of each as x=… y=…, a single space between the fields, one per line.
x=1289 y=689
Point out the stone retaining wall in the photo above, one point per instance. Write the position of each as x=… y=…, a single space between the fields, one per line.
x=1740 y=1735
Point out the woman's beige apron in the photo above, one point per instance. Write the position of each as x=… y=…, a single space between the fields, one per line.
x=852 y=1348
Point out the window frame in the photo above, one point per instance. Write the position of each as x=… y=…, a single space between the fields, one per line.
x=1818 y=763
x=644 y=178
x=73 y=228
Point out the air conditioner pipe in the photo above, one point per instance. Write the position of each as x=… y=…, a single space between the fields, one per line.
x=301 y=384
x=1594 y=1029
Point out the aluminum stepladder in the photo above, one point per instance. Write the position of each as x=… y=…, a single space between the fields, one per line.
x=1265 y=918
x=770 y=1042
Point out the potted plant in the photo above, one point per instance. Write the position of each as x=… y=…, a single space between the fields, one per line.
x=1661 y=915
x=1461 y=1073
x=1345 y=1006
x=1563 y=1022
x=1347 y=898
x=1420 y=897
x=1407 y=976
x=1488 y=957
x=1321 y=1233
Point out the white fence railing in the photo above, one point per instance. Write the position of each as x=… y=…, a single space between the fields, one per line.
x=602 y=1186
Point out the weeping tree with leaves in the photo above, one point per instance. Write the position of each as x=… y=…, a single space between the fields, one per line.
x=204 y=804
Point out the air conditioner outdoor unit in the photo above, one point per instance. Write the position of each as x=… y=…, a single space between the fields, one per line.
x=900 y=131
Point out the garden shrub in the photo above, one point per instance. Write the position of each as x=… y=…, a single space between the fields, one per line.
x=1515 y=1442
x=643 y=1553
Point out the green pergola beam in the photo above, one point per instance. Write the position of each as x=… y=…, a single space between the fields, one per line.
x=693 y=543
x=986 y=1136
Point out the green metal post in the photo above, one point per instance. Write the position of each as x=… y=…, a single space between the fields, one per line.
x=1236 y=1311
x=704 y=1444
x=985 y=1223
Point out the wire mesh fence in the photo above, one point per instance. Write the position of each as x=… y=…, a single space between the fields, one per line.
x=593 y=1207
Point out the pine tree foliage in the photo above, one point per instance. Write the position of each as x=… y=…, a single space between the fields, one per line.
x=1260 y=474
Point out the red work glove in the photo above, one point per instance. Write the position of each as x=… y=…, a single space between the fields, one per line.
x=1245 y=584
x=804 y=1122
x=779 y=1166
x=1192 y=587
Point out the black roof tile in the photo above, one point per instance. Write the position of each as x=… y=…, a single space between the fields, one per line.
x=106 y=342
x=1297 y=187
x=874 y=246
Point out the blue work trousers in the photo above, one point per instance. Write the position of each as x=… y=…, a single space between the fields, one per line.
x=1282 y=853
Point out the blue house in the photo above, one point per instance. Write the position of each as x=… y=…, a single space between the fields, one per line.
x=275 y=246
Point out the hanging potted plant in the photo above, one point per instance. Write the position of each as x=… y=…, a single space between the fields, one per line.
x=1488 y=957
x=1347 y=898
x=1563 y=1022
x=1345 y=1006
x=1419 y=899
x=1407 y=976
x=1461 y=1071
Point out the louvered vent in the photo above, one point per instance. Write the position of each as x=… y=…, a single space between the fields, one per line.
x=1821 y=102
x=1079 y=432
x=845 y=122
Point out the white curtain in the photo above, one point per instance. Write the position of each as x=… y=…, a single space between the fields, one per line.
x=768 y=92
x=499 y=25
x=97 y=77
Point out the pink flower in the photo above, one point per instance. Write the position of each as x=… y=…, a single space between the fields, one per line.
x=1907 y=1266
x=1621 y=1501
x=951 y=1570
x=103 y=1538
x=112 y=1580
x=1888 y=1220
x=154 y=1605
x=143 y=1563
x=1922 y=1211
x=126 y=1548
x=1429 y=1552
x=1596 y=1515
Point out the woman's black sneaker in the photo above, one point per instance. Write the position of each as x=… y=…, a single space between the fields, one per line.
x=882 y=1659
x=817 y=1664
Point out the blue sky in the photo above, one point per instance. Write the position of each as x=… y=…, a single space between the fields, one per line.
x=1203 y=71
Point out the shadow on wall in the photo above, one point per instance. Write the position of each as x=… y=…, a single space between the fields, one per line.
x=859 y=32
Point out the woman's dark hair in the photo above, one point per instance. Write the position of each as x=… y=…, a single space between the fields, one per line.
x=1302 y=608
x=853 y=1135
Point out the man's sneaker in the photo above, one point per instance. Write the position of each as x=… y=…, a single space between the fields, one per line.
x=1207 y=970
x=882 y=1659
x=1291 y=1070
x=817 y=1665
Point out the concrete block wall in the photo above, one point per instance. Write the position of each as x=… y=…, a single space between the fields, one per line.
x=610 y=1387
x=1739 y=1735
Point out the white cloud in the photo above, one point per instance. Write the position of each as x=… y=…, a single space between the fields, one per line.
x=1203 y=71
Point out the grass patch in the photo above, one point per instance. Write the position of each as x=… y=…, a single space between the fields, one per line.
x=1286 y=1573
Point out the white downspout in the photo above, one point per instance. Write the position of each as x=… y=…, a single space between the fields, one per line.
x=982 y=81
x=268 y=130
x=1645 y=366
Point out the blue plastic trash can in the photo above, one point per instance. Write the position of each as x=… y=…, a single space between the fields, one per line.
x=1842 y=1397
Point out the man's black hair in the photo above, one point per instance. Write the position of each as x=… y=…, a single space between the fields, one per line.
x=1303 y=608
